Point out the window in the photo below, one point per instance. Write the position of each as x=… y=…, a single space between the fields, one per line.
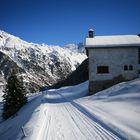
x=102 y=69
x=130 y=67
x=125 y=67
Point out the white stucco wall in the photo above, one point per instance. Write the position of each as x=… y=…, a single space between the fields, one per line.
x=115 y=58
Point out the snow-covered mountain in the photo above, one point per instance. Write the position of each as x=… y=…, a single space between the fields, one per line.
x=79 y=48
x=39 y=65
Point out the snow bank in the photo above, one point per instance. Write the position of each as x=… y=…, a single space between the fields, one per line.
x=13 y=127
x=59 y=114
x=118 y=107
x=69 y=92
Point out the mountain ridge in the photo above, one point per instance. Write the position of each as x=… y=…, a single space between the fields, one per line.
x=40 y=64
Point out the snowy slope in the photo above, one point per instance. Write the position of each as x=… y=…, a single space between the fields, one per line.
x=40 y=64
x=1 y=103
x=112 y=114
x=2 y=85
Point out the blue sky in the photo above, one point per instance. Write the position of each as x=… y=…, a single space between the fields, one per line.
x=61 y=22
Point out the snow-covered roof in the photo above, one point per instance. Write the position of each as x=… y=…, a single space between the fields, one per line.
x=113 y=41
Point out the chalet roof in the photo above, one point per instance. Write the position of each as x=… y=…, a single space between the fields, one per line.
x=113 y=41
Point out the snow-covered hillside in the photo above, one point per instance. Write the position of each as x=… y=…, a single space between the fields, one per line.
x=39 y=64
x=2 y=84
x=112 y=114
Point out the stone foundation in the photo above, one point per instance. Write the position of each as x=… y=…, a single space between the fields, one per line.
x=96 y=86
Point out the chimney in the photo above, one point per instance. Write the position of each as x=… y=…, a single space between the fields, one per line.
x=90 y=33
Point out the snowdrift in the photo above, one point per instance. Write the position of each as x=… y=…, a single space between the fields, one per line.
x=65 y=114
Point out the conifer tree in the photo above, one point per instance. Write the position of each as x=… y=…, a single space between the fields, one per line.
x=15 y=95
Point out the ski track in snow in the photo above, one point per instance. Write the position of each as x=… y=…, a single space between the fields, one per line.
x=70 y=112
x=58 y=114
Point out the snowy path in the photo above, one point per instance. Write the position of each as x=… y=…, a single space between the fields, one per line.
x=69 y=120
x=62 y=114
